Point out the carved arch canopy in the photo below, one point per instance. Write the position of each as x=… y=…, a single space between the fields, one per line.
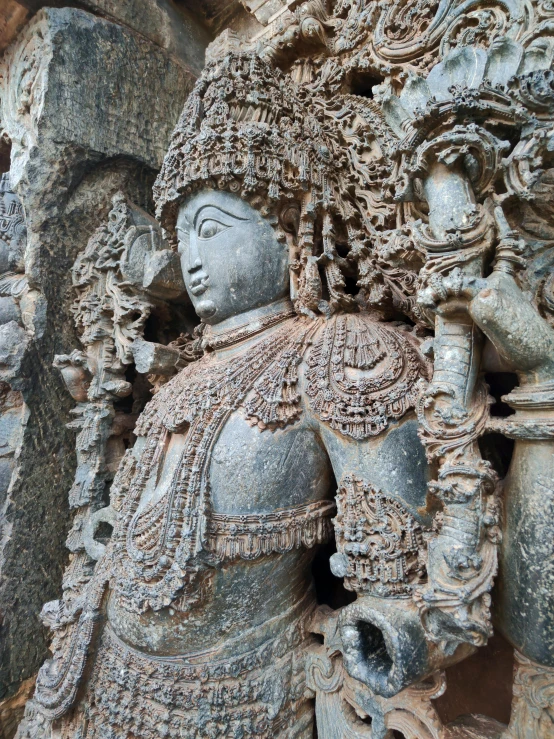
x=348 y=107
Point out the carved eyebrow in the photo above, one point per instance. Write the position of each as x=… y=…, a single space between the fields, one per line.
x=218 y=210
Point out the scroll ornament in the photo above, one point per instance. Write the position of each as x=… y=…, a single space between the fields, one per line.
x=111 y=307
x=463 y=115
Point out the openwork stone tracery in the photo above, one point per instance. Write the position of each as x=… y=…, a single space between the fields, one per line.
x=401 y=154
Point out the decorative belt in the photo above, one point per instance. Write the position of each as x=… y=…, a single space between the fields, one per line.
x=278 y=636
x=252 y=535
x=260 y=697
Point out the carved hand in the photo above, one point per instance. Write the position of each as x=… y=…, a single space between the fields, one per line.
x=510 y=321
x=521 y=336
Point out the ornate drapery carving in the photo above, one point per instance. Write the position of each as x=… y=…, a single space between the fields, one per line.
x=110 y=310
x=117 y=281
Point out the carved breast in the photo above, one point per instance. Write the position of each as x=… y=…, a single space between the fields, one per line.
x=210 y=485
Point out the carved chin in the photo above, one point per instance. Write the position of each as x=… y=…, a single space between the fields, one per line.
x=205 y=308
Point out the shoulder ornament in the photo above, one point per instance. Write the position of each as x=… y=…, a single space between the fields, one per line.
x=362 y=373
x=381 y=548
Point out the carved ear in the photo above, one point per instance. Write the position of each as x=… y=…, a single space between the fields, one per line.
x=289 y=218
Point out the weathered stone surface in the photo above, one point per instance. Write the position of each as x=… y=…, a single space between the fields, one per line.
x=13 y=18
x=219 y=16
x=12 y=422
x=174 y=27
x=108 y=111
x=12 y=709
x=203 y=503
x=13 y=341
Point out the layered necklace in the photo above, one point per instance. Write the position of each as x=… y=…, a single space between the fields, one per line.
x=159 y=551
x=219 y=339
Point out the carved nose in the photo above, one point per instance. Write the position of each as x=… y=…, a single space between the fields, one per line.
x=194 y=257
x=194 y=265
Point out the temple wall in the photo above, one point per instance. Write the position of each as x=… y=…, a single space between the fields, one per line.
x=89 y=96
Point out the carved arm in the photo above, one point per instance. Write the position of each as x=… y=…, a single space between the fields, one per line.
x=525 y=340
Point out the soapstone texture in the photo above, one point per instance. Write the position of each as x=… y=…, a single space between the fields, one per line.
x=295 y=298
x=89 y=128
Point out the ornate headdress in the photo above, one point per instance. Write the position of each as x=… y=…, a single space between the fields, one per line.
x=251 y=129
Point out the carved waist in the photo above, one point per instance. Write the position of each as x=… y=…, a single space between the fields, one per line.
x=253 y=535
x=255 y=647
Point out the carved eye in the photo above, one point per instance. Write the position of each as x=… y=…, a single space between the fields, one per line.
x=210 y=228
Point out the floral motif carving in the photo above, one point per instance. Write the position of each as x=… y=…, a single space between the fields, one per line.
x=260 y=693
x=393 y=147
x=533 y=708
x=342 y=704
x=156 y=556
x=252 y=536
x=16 y=297
x=110 y=309
x=109 y=313
x=363 y=407
x=12 y=220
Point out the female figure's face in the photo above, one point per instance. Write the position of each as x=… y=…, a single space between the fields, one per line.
x=230 y=257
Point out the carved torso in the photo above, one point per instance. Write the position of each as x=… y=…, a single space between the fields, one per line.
x=347 y=160
x=230 y=485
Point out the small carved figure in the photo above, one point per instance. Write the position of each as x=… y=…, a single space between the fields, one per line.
x=14 y=289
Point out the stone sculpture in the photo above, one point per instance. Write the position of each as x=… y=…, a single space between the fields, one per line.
x=357 y=261
x=14 y=287
x=14 y=299
x=117 y=279
x=77 y=125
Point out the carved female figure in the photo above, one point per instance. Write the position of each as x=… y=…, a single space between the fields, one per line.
x=298 y=418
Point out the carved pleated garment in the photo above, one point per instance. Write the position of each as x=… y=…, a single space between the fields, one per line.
x=260 y=694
